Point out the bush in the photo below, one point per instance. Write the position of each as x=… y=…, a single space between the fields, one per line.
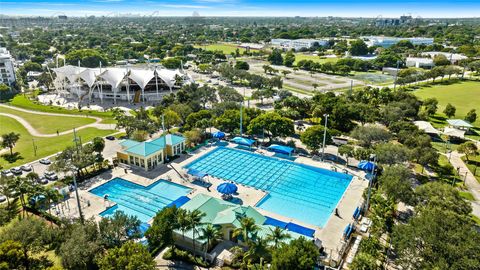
x=182 y=255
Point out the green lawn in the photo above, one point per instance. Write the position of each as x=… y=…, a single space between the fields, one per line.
x=374 y=77
x=318 y=59
x=45 y=146
x=24 y=102
x=48 y=124
x=226 y=48
x=464 y=95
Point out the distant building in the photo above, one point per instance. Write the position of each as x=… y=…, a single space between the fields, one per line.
x=383 y=22
x=454 y=58
x=251 y=46
x=419 y=62
x=62 y=17
x=390 y=41
x=297 y=44
x=6 y=67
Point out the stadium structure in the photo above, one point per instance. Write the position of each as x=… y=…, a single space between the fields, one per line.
x=118 y=83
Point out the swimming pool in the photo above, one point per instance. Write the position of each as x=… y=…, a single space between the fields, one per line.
x=298 y=191
x=137 y=200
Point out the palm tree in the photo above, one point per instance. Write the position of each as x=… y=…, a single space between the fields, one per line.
x=22 y=187
x=195 y=220
x=9 y=140
x=183 y=221
x=210 y=233
x=257 y=250
x=52 y=196
x=5 y=188
x=277 y=236
x=315 y=85
x=247 y=231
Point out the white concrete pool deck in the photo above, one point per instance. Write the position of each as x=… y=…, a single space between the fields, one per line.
x=331 y=235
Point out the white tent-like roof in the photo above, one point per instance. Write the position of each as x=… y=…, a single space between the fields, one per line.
x=459 y=123
x=141 y=76
x=70 y=72
x=453 y=132
x=89 y=75
x=114 y=76
x=427 y=127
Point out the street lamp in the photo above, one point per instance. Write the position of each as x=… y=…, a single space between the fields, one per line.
x=324 y=135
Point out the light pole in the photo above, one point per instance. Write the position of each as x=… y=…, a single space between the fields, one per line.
x=370 y=182
x=324 y=136
x=74 y=169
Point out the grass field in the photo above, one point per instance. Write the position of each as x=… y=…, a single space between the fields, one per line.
x=45 y=146
x=301 y=56
x=376 y=78
x=23 y=102
x=226 y=48
x=463 y=95
x=50 y=124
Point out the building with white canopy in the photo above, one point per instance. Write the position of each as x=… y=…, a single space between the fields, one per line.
x=118 y=83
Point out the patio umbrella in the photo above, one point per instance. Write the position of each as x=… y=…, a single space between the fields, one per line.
x=366 y=165
x=218 y=135
x=227 y=188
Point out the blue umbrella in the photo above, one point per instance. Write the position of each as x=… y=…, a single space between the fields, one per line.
x=218 y=135
x=366 y=165
x=227 y=188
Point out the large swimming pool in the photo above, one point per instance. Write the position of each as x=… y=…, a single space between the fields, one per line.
x=137 y=200
x=298 y=191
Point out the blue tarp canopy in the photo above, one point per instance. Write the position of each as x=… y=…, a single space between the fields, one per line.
x=281 y=149
x=196 y=173
x=218 y=135
x=300 y=229
x=243 y=141
x=143 y=228
x=366 y=165
x=179 y=202
x=275 y=222
x=227 y=188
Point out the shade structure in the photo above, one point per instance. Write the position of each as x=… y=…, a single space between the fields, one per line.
x=366 y=165
x=227 y=188
x=281 y=149
x=243 y=141
x=196 y=173
x=218 y=135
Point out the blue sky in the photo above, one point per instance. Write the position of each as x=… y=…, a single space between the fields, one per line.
x=344 y=8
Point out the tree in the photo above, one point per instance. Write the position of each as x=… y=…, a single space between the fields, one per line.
x=389 y=153
x=471 y=116
x=195 y=220
x=9 y=140
x=440 y=60
x=449 y=110
x=88 y=58
x=312 y=137
x=431 y=105
x=171 y=119
x=314 y=85
x=285 y=73
x=172 y=62
x=242 y=65
x=396 y=183
x=193 y=136
x=468 y=148
x=31 y=234
x=230 y=120
x=247 y=231
x=211 y=234
x=289 y=59
x=275 y=58
x=442 y=196
x=116 y=230
x=370 y=134
x=346 y=150
x=300 y=254
x=257 y=252
x=358 y=47
x=160 y=234
x=273 y=124
x=364 y=261
x=277 y=236
x=11 y=255
x=32 y=66
x=129 y=256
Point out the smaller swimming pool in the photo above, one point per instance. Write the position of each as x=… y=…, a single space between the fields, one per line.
x=137 y=200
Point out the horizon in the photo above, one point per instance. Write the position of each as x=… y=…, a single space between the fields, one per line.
x=243 y=8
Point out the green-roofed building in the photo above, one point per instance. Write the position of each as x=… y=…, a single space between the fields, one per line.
x=150 y=154
x=226 y=216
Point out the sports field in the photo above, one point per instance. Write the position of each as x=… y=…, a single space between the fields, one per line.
x=226 y=48
x=315 y=58
x=463 y=95
x=45 y=145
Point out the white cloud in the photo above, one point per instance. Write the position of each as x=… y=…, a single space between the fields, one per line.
x=183 y=6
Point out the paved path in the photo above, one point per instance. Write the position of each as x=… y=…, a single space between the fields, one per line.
x=35 y=133
x=472 y=184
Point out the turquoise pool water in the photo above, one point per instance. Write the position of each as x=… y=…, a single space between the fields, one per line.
x=298 y=191
x=137 y=200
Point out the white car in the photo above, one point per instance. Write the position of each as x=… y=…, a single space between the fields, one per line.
x=50 y=175
x=16 y=170
x=45 y=161
x=7 y=173
x=26 y=167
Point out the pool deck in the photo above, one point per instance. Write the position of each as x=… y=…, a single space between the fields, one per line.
x=331 y=235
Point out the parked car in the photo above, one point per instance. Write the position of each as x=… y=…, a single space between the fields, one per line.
x=2 y=198
x=26 y=167
x=110 y=138
x=7 y=173
x=50 y=175
x=16 y=170
x=42 y=180
x=45 y=161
